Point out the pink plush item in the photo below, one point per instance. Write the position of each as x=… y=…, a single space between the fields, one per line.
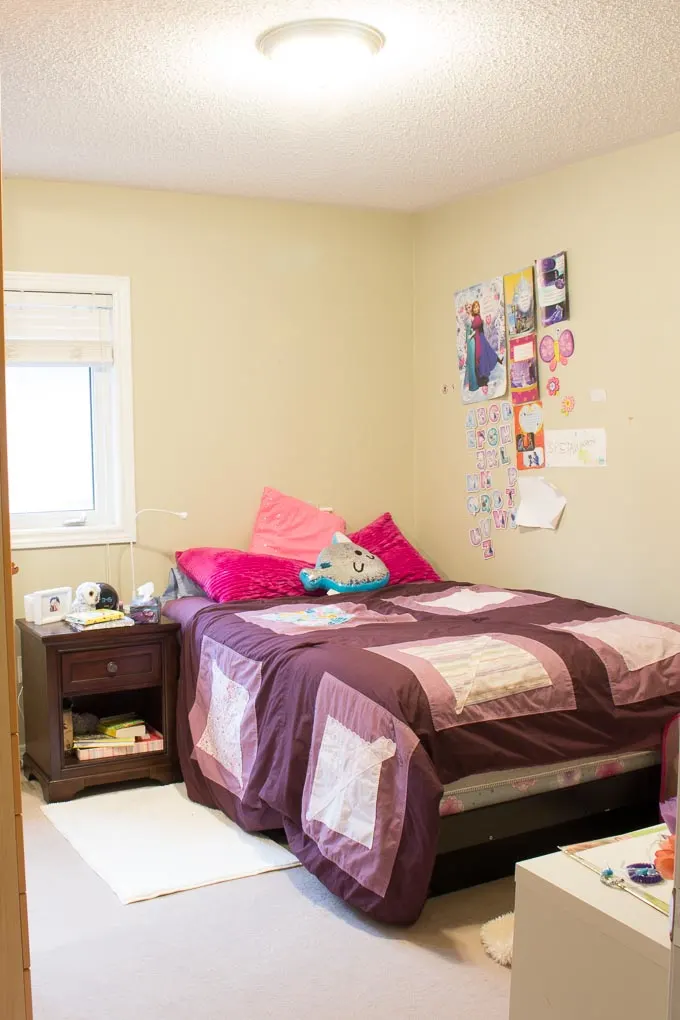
x=289 y=527
x=231 y=575
x=405 y=564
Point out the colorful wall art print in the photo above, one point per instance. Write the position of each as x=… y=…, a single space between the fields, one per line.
x=520 y=312
x=523 y=369
x=480 y=341
x=529 y=436
x=553 y=294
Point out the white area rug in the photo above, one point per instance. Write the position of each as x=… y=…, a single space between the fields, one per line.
x=150 y=841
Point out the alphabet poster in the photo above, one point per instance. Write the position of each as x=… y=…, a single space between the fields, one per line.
x=480 y=341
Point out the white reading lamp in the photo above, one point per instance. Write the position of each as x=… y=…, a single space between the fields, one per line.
x=150 y=510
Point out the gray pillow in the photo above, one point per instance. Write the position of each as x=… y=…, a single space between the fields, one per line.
x=181 y=587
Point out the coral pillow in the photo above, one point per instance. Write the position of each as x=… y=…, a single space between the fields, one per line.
x=289 y=527
x=383 y=538
x=231 y=575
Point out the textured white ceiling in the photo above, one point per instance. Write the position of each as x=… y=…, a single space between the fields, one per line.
x=466 y=94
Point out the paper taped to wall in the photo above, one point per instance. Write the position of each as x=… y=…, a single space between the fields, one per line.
x=541 y=504
x=575 y=448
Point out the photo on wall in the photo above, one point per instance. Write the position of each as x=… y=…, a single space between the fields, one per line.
x=520 y=310
x=553 y=293
x=480 y=341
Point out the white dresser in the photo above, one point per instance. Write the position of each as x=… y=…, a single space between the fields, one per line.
x=583 y=951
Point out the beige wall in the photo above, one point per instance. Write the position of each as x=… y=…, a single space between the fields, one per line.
x=619 y=218
x=272 y=345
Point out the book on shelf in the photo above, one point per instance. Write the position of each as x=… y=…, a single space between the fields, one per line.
x=152 y=742
x=101 y=740
x=98 y=619
x=122 y=726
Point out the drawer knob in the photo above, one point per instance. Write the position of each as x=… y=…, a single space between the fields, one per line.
x=112 y=668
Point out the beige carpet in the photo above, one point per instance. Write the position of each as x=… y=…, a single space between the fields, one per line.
x=276 y=945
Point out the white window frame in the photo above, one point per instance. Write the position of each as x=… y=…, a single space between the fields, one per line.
x=113 y=424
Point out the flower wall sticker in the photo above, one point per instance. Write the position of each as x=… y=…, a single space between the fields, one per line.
x=568 y=405
x=553 y=386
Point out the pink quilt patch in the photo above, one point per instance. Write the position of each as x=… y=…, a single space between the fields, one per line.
x=300 y=618
x=222 y=720
x=478 y=677
x=641 y=657
x=466 y=600
x=354 y=800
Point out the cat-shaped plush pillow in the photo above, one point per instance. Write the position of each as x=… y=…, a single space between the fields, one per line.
x=345 y=567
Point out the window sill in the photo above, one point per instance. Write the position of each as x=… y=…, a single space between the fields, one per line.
x=65 y=538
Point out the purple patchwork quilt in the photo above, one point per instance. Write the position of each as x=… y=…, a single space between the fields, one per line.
x=340 y=719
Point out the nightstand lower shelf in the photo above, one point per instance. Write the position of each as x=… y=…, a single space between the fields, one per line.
x=76 y=778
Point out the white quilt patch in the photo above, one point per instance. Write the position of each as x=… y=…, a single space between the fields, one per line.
x=344 y=793
x=638 y=642
x=470 y=601
x=482 y=668
x=221 y=738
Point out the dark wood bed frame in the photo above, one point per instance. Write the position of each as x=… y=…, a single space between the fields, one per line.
x=486 y=843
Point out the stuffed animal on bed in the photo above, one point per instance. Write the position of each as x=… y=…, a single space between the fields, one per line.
x=345 y=567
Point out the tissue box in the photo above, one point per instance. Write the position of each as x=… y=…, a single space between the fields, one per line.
x=146 y=610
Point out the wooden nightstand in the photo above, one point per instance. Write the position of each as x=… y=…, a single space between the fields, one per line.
x=126 y=669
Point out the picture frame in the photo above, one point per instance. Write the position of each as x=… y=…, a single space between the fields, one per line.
x=51 y=605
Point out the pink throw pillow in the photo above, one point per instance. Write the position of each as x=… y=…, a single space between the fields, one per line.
x=289 y=527
x=405 y=564
x=231 y=575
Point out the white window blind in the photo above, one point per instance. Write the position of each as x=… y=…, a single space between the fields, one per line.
x=43 y=328
x=69 y=409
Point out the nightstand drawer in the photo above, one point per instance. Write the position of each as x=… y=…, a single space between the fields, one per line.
x=89 y=672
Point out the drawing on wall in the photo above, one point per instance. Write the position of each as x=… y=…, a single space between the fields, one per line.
x=557 y=352
x=568 y=405
x=523 y=369
x=470 y=419
x=485 y=479
x=485 y=527
x=529 y=438
x=553 y=386
x=505 y=457
x=494 y=414
x=520 y=314
x=553 y=293
x=482 y=415
x=472 y=483
x=576 y=448
x=475 y=536
x=473 y=505
x=481 y=460
x=471 y=439
x=480 y=341
x=506 y=410
x=492 y=436
x=485 y=503
x=491 y=460
x=500 y=519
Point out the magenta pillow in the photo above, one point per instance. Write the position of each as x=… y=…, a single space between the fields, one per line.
x=231 y=575
x=383 y=538
x=289 y=527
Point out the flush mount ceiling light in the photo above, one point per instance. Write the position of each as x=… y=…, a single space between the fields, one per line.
x=329 y=46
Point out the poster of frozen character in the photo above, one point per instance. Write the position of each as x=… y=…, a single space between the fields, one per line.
x=480 y=341
x=520 y=310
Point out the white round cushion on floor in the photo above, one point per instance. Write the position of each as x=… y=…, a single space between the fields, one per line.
x=497 y=938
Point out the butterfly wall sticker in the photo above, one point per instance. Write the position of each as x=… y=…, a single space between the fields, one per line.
x=555 y=352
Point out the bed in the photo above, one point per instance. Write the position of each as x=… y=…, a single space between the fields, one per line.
x=389 y=735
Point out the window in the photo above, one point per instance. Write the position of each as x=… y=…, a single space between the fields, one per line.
x=69 y=410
